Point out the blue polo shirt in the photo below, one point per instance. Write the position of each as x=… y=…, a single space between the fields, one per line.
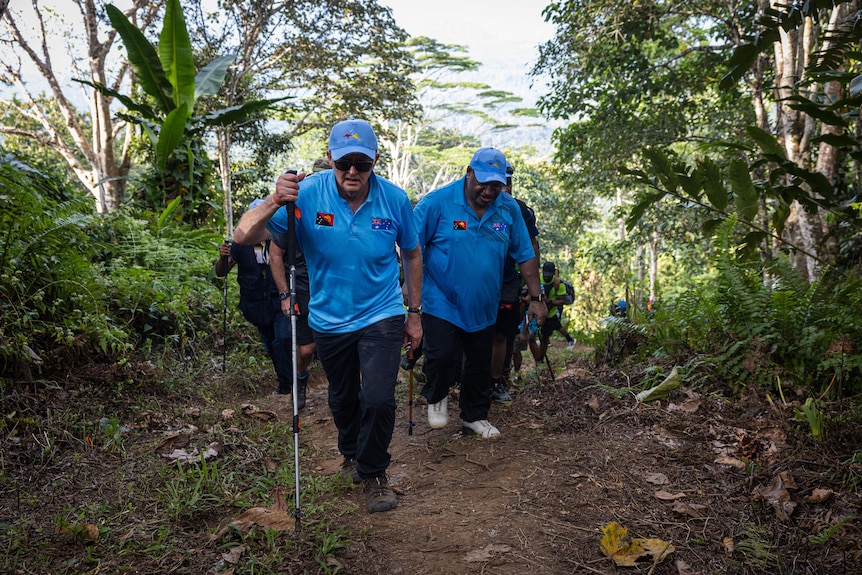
x=463 y=255
x=352 y=264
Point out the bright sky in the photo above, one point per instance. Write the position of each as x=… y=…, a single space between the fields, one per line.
x=501 y=34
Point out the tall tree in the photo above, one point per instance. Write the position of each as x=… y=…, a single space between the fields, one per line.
x=332 y=59
x=450 y=106
x=644 y=74
x=94 y=146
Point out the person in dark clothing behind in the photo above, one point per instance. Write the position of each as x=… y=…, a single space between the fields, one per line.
x=258 y=294
x=509 y=316
x=278 y=262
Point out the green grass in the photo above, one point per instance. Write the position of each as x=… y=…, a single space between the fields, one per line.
x=88 y=463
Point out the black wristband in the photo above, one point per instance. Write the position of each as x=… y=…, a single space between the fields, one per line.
x=283 y=295
x=414 y=310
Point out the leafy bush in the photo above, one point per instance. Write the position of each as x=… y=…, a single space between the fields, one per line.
x=156 y=275
x=753 y=324
x=76 y=284
x=51 y=296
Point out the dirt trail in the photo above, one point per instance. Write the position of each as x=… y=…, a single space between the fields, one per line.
x=571 y=460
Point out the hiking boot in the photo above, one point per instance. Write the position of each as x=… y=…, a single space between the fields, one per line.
x=481 y=427
x=407 y=362
x=349 y=470
x=438 y=413
x=499 y=393
x=378 y=495
x=281 y=390
x=301 y=391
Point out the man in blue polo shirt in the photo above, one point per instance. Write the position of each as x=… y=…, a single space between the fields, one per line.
x=348 y=224
x=466 y=230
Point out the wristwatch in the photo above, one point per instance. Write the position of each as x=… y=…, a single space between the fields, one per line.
x=540 y=297
x=415 y=310
x=283 y=295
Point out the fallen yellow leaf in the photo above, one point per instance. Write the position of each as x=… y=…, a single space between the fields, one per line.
x=626 y=551
x=80 y=531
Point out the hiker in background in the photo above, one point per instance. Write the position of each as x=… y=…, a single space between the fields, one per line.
x=278 y=262
x=466 y=230
x=527 y=338
x=349 y=222
x=509 y=314
x=258 y=294
x=619 y=308
x=555 y=297
x=320 y=164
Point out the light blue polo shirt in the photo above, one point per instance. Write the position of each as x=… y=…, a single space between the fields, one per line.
x=462 y=255
x=352 y=264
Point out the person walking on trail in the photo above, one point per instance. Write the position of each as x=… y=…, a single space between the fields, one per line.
x=348 y=224
x=278 y=262
x=466 y=230
x=527 y=338
x=258 y=295
x=555 y=297
x=282 y=324
x=509 y=315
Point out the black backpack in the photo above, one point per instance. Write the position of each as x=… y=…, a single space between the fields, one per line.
x=570 y=292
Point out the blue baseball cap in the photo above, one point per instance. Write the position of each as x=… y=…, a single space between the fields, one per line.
x=352 y=137
x=489 y=165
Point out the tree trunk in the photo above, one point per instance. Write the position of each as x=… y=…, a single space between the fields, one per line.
x=653 y=266
x=224 y=144
x=89 y=148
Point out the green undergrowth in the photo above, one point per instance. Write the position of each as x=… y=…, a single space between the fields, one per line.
x=148 y=474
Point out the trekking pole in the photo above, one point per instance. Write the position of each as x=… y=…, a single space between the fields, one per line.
x=410 y=400
x=550 y=369
x=291 y=262
x=224 y=315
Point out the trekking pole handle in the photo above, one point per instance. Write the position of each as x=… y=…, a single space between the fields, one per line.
x=291 y=229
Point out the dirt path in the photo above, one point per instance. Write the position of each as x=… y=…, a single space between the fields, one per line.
x=571 y=460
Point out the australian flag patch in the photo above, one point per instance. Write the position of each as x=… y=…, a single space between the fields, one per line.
x=381 y=224
x=327 y=220
x=500 y=227
x=460 y=225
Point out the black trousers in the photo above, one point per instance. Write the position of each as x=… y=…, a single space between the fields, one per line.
x=441 y=344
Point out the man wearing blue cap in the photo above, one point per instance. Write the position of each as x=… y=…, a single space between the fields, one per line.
x=348 y=224
x=466 y=230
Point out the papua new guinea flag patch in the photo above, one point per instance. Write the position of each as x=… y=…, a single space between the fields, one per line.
x=325 y=219
x=460 y=225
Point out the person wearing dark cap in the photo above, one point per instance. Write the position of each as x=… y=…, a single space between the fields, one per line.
x=349 y=222
x=509 y=316
x=283 y=327
x=320 y=164
x=466 y=230
x=555 y=297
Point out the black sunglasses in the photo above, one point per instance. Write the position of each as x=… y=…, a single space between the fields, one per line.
x=360 y=165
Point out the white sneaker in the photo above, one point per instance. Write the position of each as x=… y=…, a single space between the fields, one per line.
x=481 y=427
x=438 y=413
x=571 y=345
